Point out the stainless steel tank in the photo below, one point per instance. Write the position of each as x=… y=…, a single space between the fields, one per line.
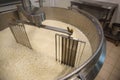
x=83 y=22
x=92 y=29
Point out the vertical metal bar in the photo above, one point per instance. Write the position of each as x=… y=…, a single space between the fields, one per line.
x=60 y=48
x=63 y=49
x=66 y=50
x=78 y=58
x=70 y=50
x=74 y=50
x=62 y=60
x=56 y=48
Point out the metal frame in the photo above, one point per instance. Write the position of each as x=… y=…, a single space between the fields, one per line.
x=20 y=34
x=68 y=50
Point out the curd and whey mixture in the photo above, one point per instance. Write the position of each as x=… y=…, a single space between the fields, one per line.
x=18 y=62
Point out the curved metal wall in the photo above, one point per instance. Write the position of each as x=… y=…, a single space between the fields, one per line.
x=92 y=29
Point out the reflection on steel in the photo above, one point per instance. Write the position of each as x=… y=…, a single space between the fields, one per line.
x=27 y=4
x=68 y=50
x=34 y=15
x=40 y=3
x=65 y=31
x=56 y=29
x=20 y=35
